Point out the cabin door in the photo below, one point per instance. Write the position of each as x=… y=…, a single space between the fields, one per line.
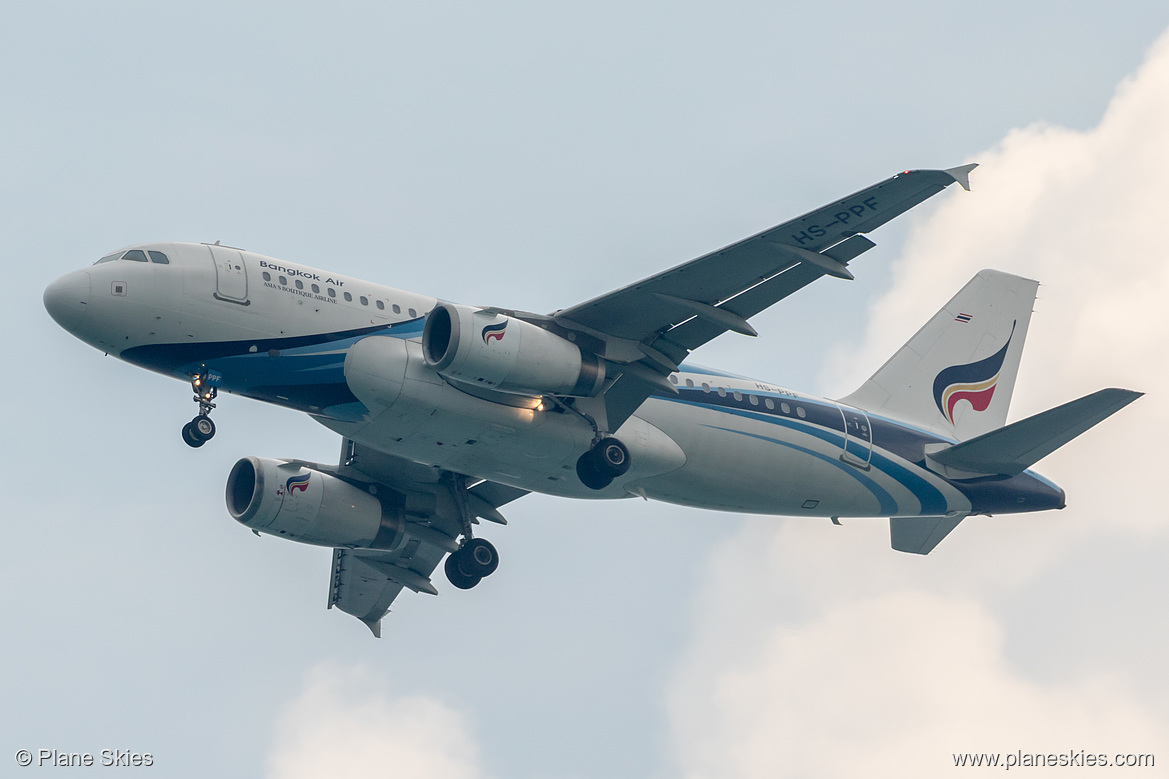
x=231 y=274
x=858 y=437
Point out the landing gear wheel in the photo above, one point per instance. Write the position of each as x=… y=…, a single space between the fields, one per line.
x=604 y=462
x=204 y=427
x=455 y=574
x=589 y=474
x=612 y=458
x=478 y=558
x=191 y=436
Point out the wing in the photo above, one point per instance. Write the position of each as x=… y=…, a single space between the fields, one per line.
x=436 y=507
x=364 y=583
x=649 y=327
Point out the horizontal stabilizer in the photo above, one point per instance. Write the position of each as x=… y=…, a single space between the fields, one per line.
x=1013 y=449
x=919 y=535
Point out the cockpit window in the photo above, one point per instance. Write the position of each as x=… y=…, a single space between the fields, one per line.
x=136 y=255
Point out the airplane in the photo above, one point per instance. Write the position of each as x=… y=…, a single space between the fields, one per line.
x=448 y=412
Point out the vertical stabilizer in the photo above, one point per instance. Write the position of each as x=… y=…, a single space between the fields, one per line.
x=956 y=375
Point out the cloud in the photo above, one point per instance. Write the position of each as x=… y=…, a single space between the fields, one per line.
x=344 y=723
x=818 y=652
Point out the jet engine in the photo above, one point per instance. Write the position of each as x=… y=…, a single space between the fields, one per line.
x=292 y=501
x=493 y=351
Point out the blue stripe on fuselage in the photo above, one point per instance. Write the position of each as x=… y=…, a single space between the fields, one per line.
x=305 y=372
x=888 y=504
x=931 y=499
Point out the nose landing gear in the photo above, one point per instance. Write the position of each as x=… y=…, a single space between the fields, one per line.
x=201 y=429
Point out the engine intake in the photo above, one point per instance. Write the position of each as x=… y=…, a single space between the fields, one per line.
x=499 y=352
x=292 y=501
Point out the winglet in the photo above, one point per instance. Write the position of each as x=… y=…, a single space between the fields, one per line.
x=374 y=625
x=961 y=174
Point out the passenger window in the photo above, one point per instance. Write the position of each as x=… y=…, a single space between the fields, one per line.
x=283 y=282
x=332 y=292
x=785 y=408
x=267 y=276
x=381 y=306
x=689 y=382
x=800 y=412
x=722 y=393
x=364 y=300
x=673 y=379
x=769 y=403
x=413 y=312
x=754 y=400
x=738 y=395
x=397 y=309
x=137 y=255
x=348 y=297
x=705 y=387
x=299 y=284
x=159 y=257
x=316 y=289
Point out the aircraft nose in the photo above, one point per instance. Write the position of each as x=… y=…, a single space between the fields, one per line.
x=67 y=298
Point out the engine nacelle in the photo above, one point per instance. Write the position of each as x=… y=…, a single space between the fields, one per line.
x=292 y=501
x=498 y=352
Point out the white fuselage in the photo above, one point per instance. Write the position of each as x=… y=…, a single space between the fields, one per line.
x=282 y=333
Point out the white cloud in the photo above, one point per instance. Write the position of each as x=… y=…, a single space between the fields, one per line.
x=821 y=653
x=345 y=724
x=889 y=685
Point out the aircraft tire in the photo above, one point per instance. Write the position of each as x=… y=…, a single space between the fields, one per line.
x=479 y=558
x=611 y=457
x=203 y=427
x=455 y=575
x=191 y=436
x=589 y=474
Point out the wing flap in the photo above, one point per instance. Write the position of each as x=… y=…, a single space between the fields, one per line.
x=365 y=583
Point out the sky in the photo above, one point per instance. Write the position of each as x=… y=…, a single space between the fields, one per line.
x=534 y=155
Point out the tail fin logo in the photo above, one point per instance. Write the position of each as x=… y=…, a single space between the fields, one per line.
x=973 y=382
x=494 y=332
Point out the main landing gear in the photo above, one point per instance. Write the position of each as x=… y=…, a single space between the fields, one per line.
x=607 y=460
x=201 y=429
x=476 y=559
